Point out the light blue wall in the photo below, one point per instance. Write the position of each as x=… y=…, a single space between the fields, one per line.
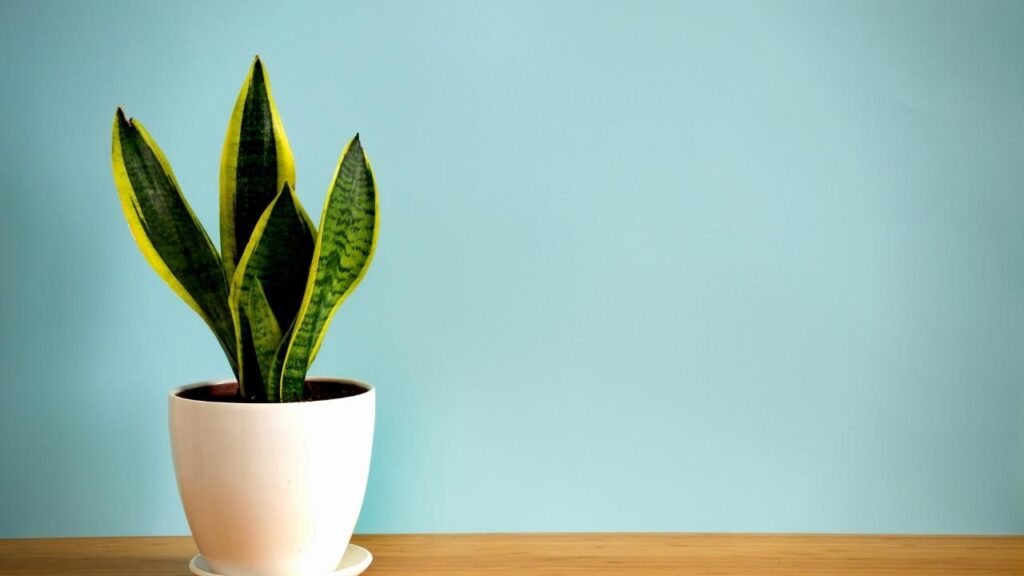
x=716 y=266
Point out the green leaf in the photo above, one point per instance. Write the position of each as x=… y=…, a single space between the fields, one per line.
x=278 y=363
x=256 y=163
x=344 y=248
x=266 y=333
x=170 y=236
x=276 y=263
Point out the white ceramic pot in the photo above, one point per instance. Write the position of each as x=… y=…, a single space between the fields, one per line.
x=272 y=489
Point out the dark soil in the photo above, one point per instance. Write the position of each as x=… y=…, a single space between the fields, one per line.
x=315 y=390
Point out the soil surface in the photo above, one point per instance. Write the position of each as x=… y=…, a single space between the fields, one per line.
x=314 y=390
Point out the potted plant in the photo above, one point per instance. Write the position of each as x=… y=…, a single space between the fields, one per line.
x=272 y=465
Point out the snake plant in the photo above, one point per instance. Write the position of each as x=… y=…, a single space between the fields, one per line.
x=271 y=292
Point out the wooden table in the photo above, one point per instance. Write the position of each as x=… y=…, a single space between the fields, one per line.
x=566 y=555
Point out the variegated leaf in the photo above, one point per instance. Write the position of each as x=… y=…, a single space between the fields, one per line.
x=170 y=236
x=344 y=248
x=276 y=262
x=266 y=333
x=256 y=163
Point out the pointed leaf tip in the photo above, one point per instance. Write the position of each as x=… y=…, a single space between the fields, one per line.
x=120 y=117
x=356 y=145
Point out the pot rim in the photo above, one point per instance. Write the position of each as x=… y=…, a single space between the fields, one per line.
x=175 y=396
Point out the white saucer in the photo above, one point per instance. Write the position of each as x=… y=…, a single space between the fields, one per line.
x=355 y=560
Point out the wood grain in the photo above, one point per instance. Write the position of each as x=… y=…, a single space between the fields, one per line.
x=567 y=555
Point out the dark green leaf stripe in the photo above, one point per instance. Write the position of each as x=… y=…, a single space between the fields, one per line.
x=276 y=262
x=170 y=236
x=256 y=163
x=344 y=247
x=250 y=378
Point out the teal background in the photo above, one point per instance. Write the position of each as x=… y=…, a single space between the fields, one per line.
x=722 y=266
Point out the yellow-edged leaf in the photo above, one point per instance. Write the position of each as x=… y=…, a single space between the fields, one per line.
x=345 y=244
x=266 y=333
x=256 y=163
x=170 y=236
x=276 y=262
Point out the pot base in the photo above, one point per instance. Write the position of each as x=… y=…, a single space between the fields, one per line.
x=354 y=562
